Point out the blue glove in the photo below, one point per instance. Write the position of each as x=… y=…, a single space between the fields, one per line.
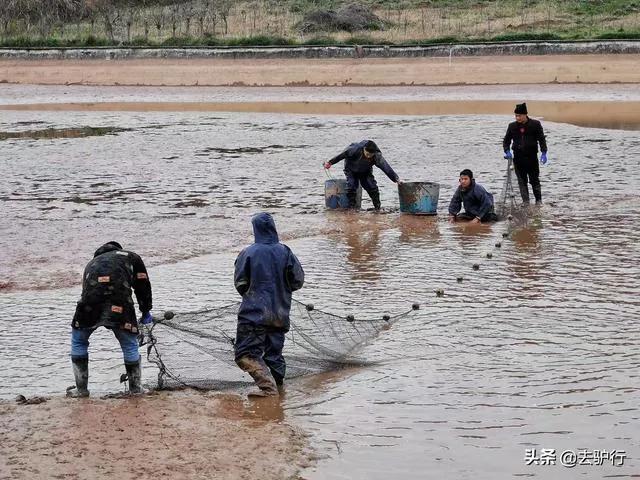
x=543 y=158
x=508 y=155
x=147 y=318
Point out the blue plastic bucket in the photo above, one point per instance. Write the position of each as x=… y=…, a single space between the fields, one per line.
x=335 y=194
x=419 y=198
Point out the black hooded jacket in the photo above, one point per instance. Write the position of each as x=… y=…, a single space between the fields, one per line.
x=356 y=162
x=525 y=138
x=106 y=290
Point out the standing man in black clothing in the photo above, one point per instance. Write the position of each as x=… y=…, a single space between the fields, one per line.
x=359 y=159
x=523 y=136
x=106 y=302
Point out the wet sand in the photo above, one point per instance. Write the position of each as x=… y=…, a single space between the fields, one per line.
x=604 y=114
x=591 y=68
x=165 y=435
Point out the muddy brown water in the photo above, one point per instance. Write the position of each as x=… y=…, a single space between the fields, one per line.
x=539 y=348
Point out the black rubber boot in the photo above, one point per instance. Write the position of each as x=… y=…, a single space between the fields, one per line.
x=537 y=193
x=279 y=381
x=134 y=373
x=81 y=374
x=351 y=197
x=524 y=191
x=375 y=198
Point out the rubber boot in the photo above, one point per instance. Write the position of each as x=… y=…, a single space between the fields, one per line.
x=537 y=193
x=261 y=375
x=134 y=373
x=375 y=198
x=81 y=374
x=351 y=197
x=279 y=382
x=524 y=191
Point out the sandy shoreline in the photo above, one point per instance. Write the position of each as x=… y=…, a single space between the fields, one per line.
x=162 y=435
x=605 y=114
x=486 y=70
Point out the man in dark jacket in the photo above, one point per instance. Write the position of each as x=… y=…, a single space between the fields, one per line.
x=523 y=136
x=359 y=159
x=478 y=203
x=265 y=275
x=106 y=302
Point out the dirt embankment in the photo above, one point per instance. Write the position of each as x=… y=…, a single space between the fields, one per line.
x=423 y=70
x=173 y=435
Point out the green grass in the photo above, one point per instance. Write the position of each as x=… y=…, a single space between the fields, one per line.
x=265 y=40
x=613 y=8
x=619 y=35
x=525 y=36
x=54 y=42
x=258 y=40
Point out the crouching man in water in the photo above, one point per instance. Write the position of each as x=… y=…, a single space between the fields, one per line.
x=359 y=159
x=478 y=203
x=106 y=301
x=265 y=275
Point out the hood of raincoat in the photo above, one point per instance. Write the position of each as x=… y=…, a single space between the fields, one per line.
x=264 y=228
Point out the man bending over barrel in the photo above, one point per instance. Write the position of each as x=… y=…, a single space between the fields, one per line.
x=478 y=203
x=265 y=275
x=359 y=159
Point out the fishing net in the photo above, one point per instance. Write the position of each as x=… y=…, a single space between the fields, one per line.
x=195 y=349
x=507 y=199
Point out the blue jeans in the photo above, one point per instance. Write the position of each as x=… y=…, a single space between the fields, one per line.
x=128 y=343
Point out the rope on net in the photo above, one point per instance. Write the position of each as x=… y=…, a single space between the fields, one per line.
x=188 y=347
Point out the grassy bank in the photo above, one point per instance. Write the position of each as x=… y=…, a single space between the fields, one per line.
x=265 y=40
x=80 y=23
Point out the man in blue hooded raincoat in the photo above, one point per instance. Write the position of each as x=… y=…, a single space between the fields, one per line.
x=359 y=159
x=478 y=203
x=266 y=273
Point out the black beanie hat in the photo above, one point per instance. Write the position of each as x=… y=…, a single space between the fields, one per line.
x=115 y=244
x=467 y=173
x=521 y=108
x=371 y=146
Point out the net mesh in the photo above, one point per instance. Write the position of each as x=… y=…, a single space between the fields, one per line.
x=507 y=199
x=196 y=349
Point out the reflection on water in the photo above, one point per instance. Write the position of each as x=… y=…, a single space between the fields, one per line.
x=526 y=240
x=537 y=348
x=419 y=230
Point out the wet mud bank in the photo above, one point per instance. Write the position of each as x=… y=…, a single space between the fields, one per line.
x=456 y=68
x=163 y=435
x=622 y=115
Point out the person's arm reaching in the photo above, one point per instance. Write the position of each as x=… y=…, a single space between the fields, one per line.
x=383 y=165
x=141 y=284
x=456 y=203
x=336 y=159
x=486 y=202
x=506 y=144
